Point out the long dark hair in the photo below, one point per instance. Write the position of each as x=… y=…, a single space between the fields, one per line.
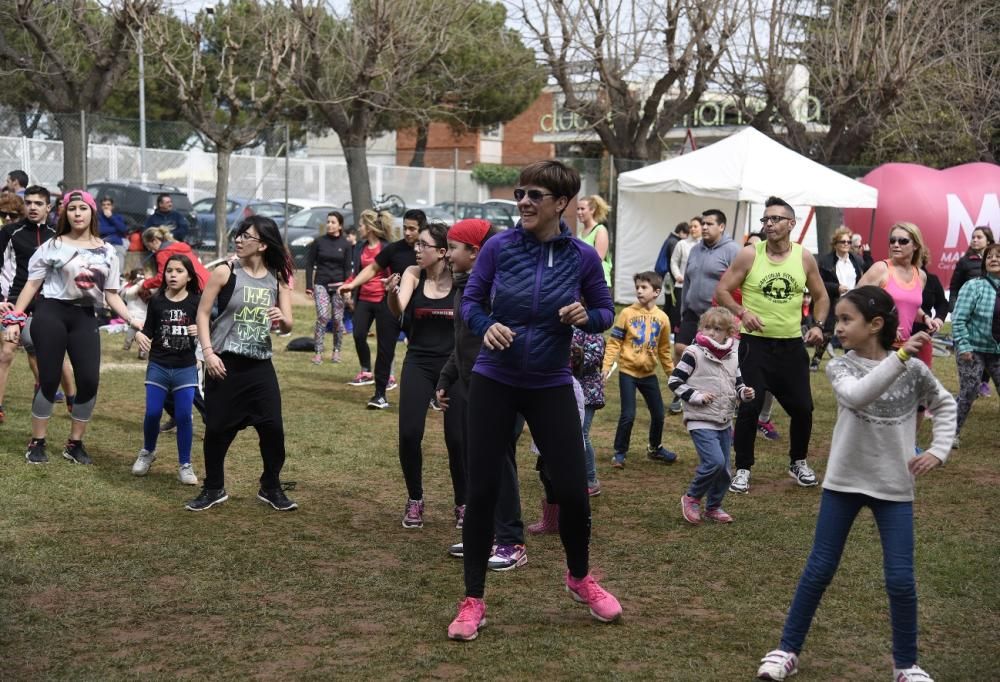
x=988 y=233
x=63 y=226
x=872 y=302
x=276 y=257
x=193 y=287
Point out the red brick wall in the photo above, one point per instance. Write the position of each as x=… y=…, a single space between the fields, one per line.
x=441 y=144
x=519 y=147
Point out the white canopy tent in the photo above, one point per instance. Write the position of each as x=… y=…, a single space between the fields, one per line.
x=731 y=175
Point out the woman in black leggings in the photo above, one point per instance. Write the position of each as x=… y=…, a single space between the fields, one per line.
x=426 y=292
x=75 y=271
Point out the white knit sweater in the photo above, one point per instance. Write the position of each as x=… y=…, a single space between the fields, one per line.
x=875 y=432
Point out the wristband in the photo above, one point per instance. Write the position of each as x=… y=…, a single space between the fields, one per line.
x=817 y=324
x=902 y=355
x=14 y=317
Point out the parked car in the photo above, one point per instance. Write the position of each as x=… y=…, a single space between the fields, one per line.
x=306 y=225
x=501 y=214
x=135 y=201
x=236 y=209
x=296 y=204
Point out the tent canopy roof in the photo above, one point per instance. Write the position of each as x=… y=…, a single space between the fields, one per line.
x=750 y=166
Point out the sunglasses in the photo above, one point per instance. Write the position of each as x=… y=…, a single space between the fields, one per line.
x=844 y=241
x=9 y=216
x=535 y=196
x=768 y=219
x=902 y=241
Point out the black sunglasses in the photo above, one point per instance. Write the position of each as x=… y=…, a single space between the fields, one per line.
x=535 y=196
x=844 y=241
x=9 y=216
x=902 y=241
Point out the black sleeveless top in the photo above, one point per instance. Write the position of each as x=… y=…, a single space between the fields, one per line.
x=432 y=323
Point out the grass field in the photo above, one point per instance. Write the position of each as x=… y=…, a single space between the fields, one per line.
x=105 y=576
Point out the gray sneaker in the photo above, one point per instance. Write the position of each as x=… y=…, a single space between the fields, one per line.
x=802 y=474
x=185 y=474
x=675 y=406
x=143 y=461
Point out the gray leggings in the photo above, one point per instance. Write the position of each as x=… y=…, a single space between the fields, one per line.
x=970 y=375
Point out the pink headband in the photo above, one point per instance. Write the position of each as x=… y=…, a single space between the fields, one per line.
x=79 y=195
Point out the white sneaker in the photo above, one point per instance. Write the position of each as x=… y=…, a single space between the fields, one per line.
x=740 y=482
x=143 y=462
x=912 y=674
x=777 y=664
x=802 y=474
x=185 y=474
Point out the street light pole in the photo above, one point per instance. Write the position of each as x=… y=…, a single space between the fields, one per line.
x=142 y=111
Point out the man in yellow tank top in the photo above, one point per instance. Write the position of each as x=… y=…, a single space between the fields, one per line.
x=772 y=276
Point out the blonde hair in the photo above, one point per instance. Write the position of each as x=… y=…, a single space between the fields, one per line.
x=373 y=225
x=598 y=206
x=161 y=233
x=838 y=234
x=918 y=241
x=388 y=224
x=720 y=317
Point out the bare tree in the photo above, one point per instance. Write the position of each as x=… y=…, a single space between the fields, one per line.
x=231 y=69
x=629 y=69
x=70 y=53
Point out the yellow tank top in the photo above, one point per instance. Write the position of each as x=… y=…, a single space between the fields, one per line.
x=773 y=291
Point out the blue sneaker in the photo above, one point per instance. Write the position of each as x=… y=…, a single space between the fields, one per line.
x=618 y=461
x=661 y=454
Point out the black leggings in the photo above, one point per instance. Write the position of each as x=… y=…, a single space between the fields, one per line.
x=554 y=420
x=386 y=335
x=417 y=387
x=247 y=396
x=780 y=366
x=60 y=328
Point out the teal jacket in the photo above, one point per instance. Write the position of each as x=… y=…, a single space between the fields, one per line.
x=972 y=318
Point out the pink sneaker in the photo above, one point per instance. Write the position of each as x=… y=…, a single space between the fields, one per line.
x=414 y=516
x=603 y=605
x=691 y=509
x=471 y=616
x=718 y=515
x=362 y=378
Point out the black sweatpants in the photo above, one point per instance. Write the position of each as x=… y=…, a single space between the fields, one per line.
x=419 y=379
x=60 y=328
x=780 y=366
x=554 y=420
x=247 y=396
x=365 y=314
x=387 y=328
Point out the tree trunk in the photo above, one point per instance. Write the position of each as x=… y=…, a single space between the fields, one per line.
x=222 y=156
x=827 y=221
x=420 y=150
x=73 y=139
x=357 y=175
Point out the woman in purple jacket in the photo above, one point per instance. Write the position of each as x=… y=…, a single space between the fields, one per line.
x=531 y=279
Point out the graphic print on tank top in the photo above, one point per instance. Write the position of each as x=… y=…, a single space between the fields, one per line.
x=252 y=328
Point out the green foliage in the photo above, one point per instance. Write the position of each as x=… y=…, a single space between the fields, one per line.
x=495 y=175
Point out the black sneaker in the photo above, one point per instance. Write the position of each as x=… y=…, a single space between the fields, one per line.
x=208 y=498
x=814 y=365
x=75 y=453
x=378 y=402
x=168 y=425
x=36 y=452
x=277 y=499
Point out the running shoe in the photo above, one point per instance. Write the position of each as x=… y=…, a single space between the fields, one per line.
x=802 y=474
x=955 y=443
x=435 y=405
x=186 y=475
x=661 y=454
x=912 y=674
x=768 y=430
x=603 y=605
x=691 y=509
x=594 y=489
x=317 y=359
x=391 y=385
x=335 y=358
x=362 y=378
x=459 y=516
x=60 y=396
x=277 y=498
x=984 y=389
x=508 y=557
x=75 y=452
x=143 y=461
x=378 y=402
x=618 y=461
x=457 y=550
x=814 y=365
x=36 y=452
x=740 y=482
x=471 y=616
x=208 y=498
x=718 y=515
x=414 y=515
x=675 y=406
x=778 y=665
x=168 y=425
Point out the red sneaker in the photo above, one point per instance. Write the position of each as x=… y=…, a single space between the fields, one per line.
x=471 y=616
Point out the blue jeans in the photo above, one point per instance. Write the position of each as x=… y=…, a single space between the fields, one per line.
x=895 y=527
x=588 y=447
x=711 y=478
x=649 y=387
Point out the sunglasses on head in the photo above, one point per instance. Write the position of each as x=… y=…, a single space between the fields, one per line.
x=902 y=241
x=535 y=196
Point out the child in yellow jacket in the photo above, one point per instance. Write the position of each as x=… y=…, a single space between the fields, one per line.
x=641 y=334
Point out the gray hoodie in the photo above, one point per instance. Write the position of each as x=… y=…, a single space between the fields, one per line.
x=705 y=266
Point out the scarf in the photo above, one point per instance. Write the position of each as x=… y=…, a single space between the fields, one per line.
x=719 y=350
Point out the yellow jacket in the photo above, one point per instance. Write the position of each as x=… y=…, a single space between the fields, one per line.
x=638 y=337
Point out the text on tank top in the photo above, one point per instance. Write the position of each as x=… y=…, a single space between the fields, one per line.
x=243 y=327
x=908 y=297
x=773 y=292
x=432 y=322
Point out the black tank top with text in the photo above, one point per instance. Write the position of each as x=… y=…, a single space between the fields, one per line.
x=432 y=323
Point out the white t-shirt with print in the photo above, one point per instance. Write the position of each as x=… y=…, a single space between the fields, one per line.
x=76 y=274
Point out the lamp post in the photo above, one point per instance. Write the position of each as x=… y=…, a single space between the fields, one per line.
x=142 y=110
